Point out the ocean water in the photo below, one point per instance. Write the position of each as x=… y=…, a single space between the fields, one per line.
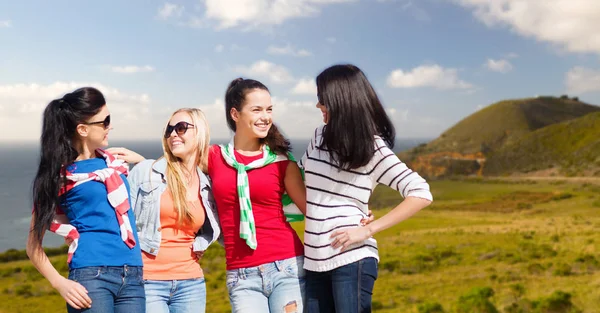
x=18 y=165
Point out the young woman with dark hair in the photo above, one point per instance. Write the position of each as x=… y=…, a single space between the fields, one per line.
x=345 y=160
x=250 y=176
x=81 y=192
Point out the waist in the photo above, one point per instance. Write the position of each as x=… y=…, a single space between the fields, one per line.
x=125 y=270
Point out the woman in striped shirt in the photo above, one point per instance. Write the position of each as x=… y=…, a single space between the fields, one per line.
x=345 y=160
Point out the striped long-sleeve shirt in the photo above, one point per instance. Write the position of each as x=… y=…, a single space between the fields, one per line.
x=338 y=199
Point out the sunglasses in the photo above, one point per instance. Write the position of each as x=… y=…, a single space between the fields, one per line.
x=105 y=123
x=180 y=128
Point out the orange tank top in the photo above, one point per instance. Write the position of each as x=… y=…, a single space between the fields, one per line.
x=175 y=259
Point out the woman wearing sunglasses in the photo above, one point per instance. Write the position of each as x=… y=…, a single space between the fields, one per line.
x=175 y=214
x=342 y=165
x=80 y=192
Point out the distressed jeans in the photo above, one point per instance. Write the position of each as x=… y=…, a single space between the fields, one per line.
x=272 y=287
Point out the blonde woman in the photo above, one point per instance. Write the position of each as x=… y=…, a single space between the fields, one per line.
x=176 y=215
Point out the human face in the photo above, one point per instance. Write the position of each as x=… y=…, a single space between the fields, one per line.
x=95 y=130
x=256 y=117
x=324 y=112
x=182 y=145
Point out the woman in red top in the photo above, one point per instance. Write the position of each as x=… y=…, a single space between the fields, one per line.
x=249 y=177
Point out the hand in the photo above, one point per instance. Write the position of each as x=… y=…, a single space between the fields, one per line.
x=345 y=237
x=74 y=293
x=366 y=221
x=126 y=155
x=199 y=254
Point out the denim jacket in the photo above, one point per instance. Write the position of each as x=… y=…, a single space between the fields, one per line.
x=147 y=181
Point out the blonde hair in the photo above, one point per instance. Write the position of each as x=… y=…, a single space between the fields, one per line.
x=175 y=171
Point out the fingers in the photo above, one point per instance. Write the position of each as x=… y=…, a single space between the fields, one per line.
x=77 y=297
x=339 y=239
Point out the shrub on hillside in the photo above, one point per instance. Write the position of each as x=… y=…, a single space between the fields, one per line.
x=477 y=300
x=557 y=302
x=430 y=307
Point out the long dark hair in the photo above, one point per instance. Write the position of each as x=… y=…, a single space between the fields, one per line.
x=58 y=150
x=355 y=116
x=235 y=98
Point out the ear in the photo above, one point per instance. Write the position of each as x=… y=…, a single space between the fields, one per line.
x=235 y=114
x=82 y=130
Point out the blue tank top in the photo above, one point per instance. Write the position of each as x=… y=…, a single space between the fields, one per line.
x=88 y=209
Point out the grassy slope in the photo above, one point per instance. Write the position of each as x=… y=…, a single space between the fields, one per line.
x=506 y=121
x=573 y=145
x=477 y=233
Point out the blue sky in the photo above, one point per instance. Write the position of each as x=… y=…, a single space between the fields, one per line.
x=432 y=62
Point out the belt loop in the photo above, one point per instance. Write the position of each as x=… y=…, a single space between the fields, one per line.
x=241 y=273
x=278 y=265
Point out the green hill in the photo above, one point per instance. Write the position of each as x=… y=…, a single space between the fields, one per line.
x=572 y=147
x=464 y=149
x=506 y=121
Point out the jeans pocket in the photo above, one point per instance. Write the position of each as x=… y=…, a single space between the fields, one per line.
x=232 y=280
x=294 y=267
x=85 y=273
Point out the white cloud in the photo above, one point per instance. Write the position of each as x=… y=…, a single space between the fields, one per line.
x=219 y=48
x=397 y=115
x=512 y=55
x=5 y=24
x=416 y=12
x=249 y=14
x=288 y=50
x=570 y=24
x=331 y=40
x=296 y=119
x=24 y=103
x=275 y=73
x=305 y=86
x=427 y=76
x=131 y=69
x=582 y=80
x=169 y=10
x=501 y=66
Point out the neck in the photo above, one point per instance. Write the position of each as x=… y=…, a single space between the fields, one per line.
x=85 y=152
x=189 y=164
x=246 y=144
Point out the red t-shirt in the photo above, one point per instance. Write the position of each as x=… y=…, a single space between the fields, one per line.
x=276 y=239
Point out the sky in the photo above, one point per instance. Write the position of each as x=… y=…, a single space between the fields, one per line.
x=432 y=62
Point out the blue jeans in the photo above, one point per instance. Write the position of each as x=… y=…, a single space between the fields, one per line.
x=346 y=289
x=271 y=287
x=113 y=289
x=175 y=296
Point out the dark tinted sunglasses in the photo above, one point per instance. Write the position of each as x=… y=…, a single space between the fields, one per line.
x=105 y=123
x=180 y=128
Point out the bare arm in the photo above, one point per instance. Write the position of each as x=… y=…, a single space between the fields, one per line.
x=129 y=156
x=294 y=186
x=404 y=210
x=74 y=293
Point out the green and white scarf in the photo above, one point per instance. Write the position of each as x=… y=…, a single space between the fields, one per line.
x=247 y=226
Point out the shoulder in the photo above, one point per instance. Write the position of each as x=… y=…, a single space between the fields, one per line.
x=142 y=166
x=214 y=150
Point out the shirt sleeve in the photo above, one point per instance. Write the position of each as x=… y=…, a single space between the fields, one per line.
x=390 y=171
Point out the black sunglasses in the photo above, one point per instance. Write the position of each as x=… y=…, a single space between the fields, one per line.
x=180 y=128
x=105 y=123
